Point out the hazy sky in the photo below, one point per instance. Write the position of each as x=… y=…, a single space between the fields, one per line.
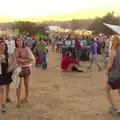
x=36 y=10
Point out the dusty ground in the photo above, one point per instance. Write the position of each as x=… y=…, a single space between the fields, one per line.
x=63 y=96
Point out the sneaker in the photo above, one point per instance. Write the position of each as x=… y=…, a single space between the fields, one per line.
x=114 y=111
x=80 y=70
x=117 y=112
x=3 y=108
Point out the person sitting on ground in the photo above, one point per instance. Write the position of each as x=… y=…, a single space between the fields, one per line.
x=69 y=64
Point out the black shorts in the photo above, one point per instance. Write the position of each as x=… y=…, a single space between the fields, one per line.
x=115 y=84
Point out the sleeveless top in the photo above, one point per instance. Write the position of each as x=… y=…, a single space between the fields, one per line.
x=115 y=72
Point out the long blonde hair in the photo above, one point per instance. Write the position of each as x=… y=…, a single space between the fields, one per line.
x=115 y=42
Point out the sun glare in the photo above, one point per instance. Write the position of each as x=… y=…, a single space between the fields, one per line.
x=54 y=9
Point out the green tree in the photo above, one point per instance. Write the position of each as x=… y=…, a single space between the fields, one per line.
x=75 y=24
x=29 y=27
x=99 y=27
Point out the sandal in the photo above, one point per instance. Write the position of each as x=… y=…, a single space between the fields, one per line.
x=24 y=101
x=8 y=99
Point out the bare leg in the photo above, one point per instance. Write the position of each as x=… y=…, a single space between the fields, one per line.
x=71 y=66
x=119 y=91
x=18 y=91
x=2 y=99
x=7 y=93
x=108 y=94
x=26 y=84
x=2 y=95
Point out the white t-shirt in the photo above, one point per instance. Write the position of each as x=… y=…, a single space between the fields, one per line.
x=11 y=46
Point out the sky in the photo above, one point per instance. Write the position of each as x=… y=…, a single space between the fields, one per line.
x=41 y=10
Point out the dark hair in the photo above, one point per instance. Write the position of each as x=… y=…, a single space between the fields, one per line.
x=97 y=38
x=40 y=38
x=91 y=39
x=1 y=38
x=4 y=66
x=23 y=45
x=6 y=52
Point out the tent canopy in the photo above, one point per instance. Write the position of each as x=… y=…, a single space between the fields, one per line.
x=115 y=28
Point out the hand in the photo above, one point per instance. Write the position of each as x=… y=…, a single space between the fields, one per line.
x=107 y=72
x=10 y=69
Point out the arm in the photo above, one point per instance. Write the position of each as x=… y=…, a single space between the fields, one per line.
x=45 y=43
x=111 y=59
x=30 y=56
x=71 y=60
x=35 y=49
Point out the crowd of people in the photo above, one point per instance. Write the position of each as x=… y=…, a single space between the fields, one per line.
x=109 y=48
x=20 y=52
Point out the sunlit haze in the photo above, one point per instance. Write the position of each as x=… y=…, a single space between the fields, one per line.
x=40 y=10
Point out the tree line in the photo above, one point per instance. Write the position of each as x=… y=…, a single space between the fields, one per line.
x=98 y=26
x=29 y=28
x=90 y=24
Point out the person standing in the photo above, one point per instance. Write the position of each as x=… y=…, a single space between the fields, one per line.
x=35 y=42
x=77 y=48
x=93 y=54
x=113 y=73
x=53 y=43
x=24 y=58
x=11 y=46
x=41 y=49
x=5 y=72
x=107 y=47
x=28 y=41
